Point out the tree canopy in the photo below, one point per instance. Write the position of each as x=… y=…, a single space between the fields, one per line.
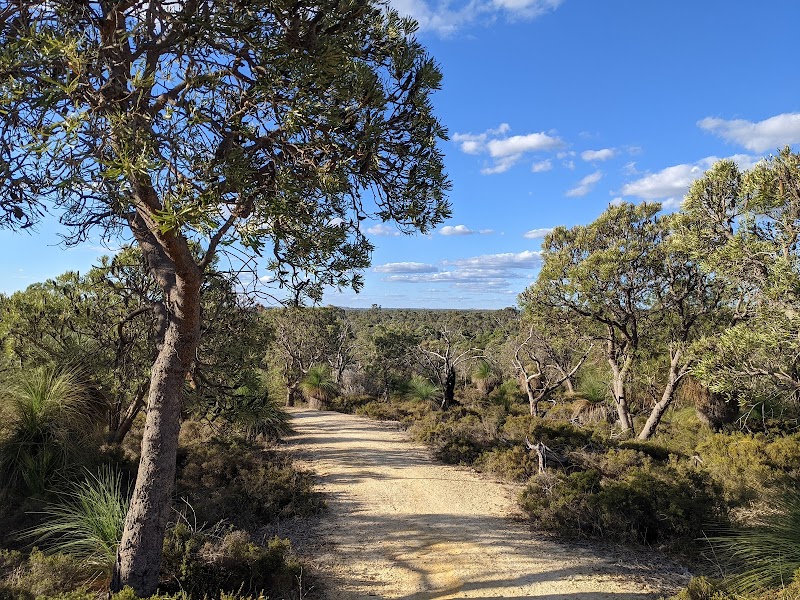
x=271 y=126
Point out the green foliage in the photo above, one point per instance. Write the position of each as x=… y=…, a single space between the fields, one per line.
x=240 y=482
x=422 y=389
x=45 y=419
x=88 y=520
x=259 y=416
x=767 y=553
x=750 y=466
x=39 y=575
x=211 y=564
x=669 y=505
x=318 y=386
x=701 y=588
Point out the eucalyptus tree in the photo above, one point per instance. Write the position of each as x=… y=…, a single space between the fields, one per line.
x=302 y=337
x=607 y=274
x=271 y=127
x=544 y=358
x=744 y=228
x=388 y=354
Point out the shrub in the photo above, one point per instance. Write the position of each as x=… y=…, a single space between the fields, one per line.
x=749 y=466
x=241 y=482
x=668 y=505
x=516 y=463
x=209 y=564
x=38 y=574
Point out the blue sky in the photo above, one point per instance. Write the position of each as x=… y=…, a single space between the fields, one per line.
x=555 y=109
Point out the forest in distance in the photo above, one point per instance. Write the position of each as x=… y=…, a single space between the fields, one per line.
x=644 y=392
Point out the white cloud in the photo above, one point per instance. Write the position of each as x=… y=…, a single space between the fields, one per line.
x=598 y=155
x=570 y=164
x=501 y=166
x=445 y=19
x=520 y=144
x=489 y=273
x=463 y=230
x=506 y=151
x=768 y=134
x=536 y=234
x=508 y=260
x=669 y=182
x=630 y=169
x=406 y=267
x=585 y=185
x=383 y=230
x=670 y=185
x=542 y=166
x=456 y=230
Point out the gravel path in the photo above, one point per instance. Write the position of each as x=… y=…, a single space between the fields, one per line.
x=401 y=526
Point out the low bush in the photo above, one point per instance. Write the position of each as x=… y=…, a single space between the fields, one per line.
x=25 y=577
x=240 y=482
x=669 y=505
x=209 y=564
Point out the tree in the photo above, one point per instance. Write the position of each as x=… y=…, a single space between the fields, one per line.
x=607 y=274
x=318 y=386
x=744 y=228
x=441 y=353
x=389 y=355
x=692 y=303
x=254 y=123
x=541 y=368
x=303 y=337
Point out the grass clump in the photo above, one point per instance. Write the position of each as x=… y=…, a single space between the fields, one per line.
x=45 y=420
x=88 y=520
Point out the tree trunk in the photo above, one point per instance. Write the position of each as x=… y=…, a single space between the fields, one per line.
x=666 y=398
x=291 y=394
x=618 y=391
x=533 y=399
x=118 y=434
x=139 y=555
x=449 y=389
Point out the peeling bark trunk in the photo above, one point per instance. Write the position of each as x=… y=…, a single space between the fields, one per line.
x=291 y=394
x=667 y=397
x=533 y=400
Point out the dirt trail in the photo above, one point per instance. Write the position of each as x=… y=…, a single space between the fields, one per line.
x=401 y=526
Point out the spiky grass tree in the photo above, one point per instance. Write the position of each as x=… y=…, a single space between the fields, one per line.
x=767 y=554
x=423 y=390
x=590 y=398
x=88 y=520
x=45 y=420
x=484 y=378
x=318 y=386
x=260 y=415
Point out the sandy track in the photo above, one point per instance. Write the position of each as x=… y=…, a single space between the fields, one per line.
x=401 y=526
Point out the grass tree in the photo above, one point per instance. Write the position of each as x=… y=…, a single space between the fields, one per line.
x=318 y=386
x=45 y=417
x=274 y=127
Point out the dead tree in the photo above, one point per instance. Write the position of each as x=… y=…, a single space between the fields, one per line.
x=539 y=369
